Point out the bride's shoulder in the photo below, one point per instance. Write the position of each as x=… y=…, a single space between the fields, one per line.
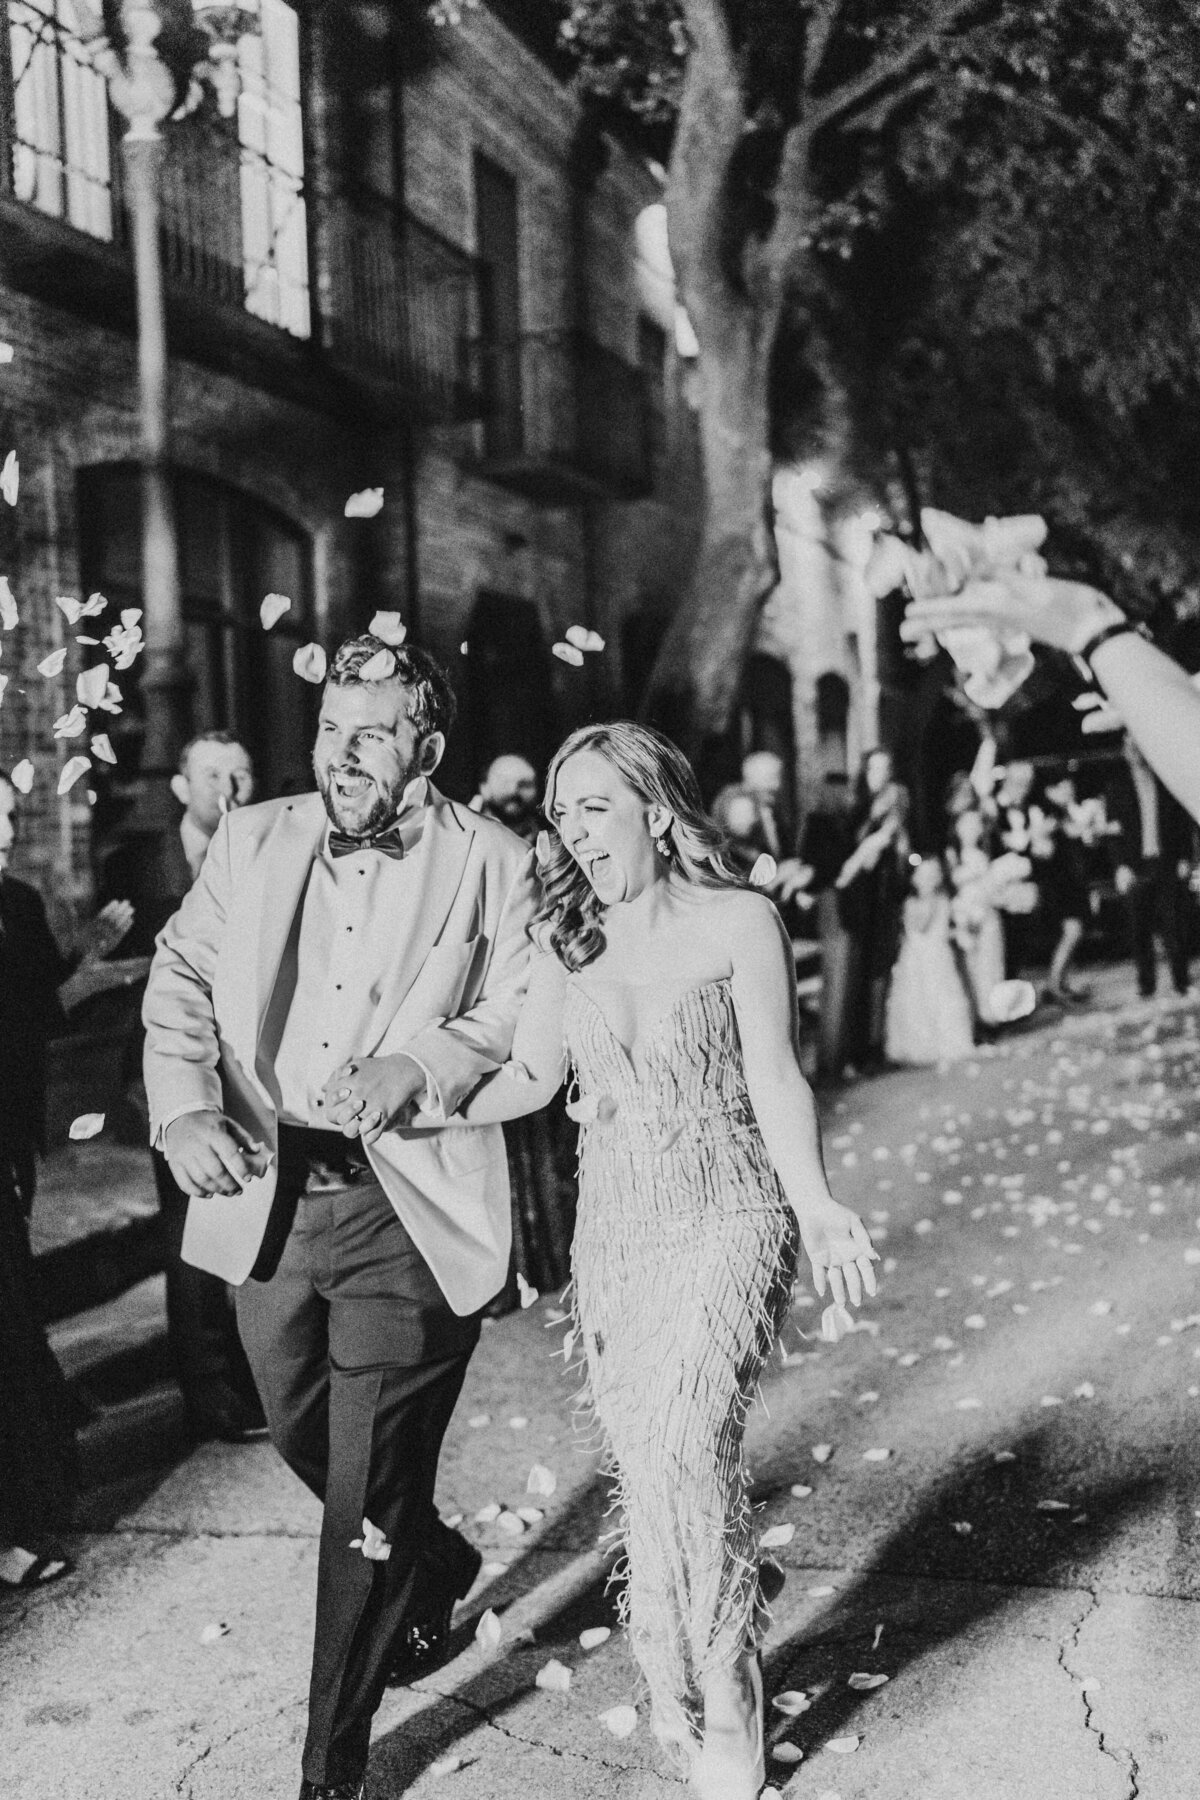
x=741 y=911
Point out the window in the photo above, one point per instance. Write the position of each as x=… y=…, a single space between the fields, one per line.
x=233 y=551
x=61 y=156
x=271 y=136
x=235 y=221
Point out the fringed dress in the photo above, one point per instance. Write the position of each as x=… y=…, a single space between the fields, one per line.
x=683 y=1262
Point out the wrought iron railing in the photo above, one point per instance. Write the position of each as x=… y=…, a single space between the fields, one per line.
x=558 y=400
x=400 y=303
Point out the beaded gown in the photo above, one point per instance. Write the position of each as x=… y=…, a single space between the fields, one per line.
x=683 y=1261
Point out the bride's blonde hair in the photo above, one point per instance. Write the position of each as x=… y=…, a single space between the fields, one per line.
x=570 y=913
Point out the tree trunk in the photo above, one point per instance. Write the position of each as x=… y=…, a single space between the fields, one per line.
x=695 y=680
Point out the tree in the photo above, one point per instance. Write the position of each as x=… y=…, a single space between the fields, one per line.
x=848 y=180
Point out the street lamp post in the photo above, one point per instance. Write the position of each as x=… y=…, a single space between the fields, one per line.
x=122 y=41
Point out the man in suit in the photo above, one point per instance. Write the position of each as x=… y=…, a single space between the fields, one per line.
x=1152 y=854
x=155 y=871
x=343 y=958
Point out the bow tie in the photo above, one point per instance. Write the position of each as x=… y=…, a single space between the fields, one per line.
x=389 y=842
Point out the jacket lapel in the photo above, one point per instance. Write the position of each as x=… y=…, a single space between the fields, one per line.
x=441 y=858
x=285 y=863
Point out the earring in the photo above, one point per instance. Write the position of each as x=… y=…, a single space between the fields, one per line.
x=660 y=841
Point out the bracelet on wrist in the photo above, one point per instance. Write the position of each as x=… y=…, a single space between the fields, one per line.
x=1115 y=628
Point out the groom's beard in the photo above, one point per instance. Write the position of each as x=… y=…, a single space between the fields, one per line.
x=373 y=810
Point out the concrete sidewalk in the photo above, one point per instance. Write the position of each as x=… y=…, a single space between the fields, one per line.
x=1017 y=1554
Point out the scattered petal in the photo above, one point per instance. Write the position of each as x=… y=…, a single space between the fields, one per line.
x=843 y=1746
x=71 y=609
x=52 y=665
x=309 y=663
x=590 y=642
x=541 y=1481
x=489 y=1631
x=1053 y=1506
x=72 y=770
x=365 y=504
x=822 y=1590
x=510 y=1523
x=791 y=1703
x=880 y=1455
x=543 y=849
x=448 y=1765
x=821 y=1453
x=532 y=1515
x=22 y=776
x=799 y=1491
x=212 y=1633
x=777 y=1536
x=6 y=353
x=102 y=748
x=71 y=724
x=529 y=1295
x=518 y=1422
x=389 y=627
x=93 y=606
x=594 y=1636
x=380 y=667
x=10 y=478
x=554 y=1677
x=762 y=875
x=963 y=1527
x=1085 y=1391
x=87 y=1125
x=569 y=654
x=477 y=1421
x=9 y=616
x=374 y=1544
x=784 y=1752
x=91 y=685
x=621 y=1721
x=864 y=1684
x=272 y=609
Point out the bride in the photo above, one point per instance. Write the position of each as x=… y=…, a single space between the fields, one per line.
x=668 y=986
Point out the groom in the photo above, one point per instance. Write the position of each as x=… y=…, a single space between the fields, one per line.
x=341 y=959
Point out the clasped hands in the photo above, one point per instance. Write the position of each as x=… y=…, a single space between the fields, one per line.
x=368 y=1095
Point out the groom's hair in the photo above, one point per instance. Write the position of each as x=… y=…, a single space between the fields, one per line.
x=433 y=702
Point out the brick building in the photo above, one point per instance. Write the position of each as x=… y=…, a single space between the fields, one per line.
x=410 y=260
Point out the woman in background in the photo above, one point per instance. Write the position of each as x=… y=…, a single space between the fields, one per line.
x=871 y=888
x=929 y=1012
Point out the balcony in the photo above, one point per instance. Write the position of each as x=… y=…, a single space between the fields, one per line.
x=401 y=299
x=564 y=419
x=238 y=236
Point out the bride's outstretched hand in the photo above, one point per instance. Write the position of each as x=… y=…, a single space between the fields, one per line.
x=839 y=1247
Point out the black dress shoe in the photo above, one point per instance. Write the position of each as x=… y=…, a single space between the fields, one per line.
x=423 y=1643
x=216 y=1410
x=343 y=1790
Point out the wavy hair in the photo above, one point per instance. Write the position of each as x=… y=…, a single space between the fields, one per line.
x=570 y=914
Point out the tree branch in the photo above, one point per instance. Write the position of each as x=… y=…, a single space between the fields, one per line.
x=851 y=94
x=820 y=30
x=712 y=120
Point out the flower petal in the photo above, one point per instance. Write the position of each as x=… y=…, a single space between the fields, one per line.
x=10 y=478
x=390 y=627
x=365 y=504
x=569 y=654
x=87 y=1125
x=528 y=1294
x=541 y=1481
x=489 y=1631
x=102 y=748
x=380 y=667
x=272 y=609
x=777 y=1536
x=22 y=776
x=52 y=665
x=72 y=770
x=91 y=685
x=554 y=1677
x=309 y=663
x=71 y=609
x=764 y=871
x=9 y=617
x=594 y=1636
x=621 y=1721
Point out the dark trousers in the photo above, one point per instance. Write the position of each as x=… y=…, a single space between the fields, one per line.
x=1158 y=901
x=201 y=1323
x=359 y=1361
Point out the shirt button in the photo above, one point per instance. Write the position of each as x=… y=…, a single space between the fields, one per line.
x=324 y=1046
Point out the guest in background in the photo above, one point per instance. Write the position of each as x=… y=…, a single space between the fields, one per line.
x=1066 y=891
x=738 y=813
x=1027 y=830
x=984 y=889
x=929 y=1012
x=540 y=1147
x=871 y=885
x=762 y=779
x=38 y=986
x=826 y=843
x=1152 y=851
x=509 y=793
x=215 y=776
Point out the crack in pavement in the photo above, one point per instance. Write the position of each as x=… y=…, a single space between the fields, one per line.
x=481 y=1713
x=181 y=1785
x=1122 y=1756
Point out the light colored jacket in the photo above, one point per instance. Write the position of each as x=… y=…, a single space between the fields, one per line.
x=450 y=994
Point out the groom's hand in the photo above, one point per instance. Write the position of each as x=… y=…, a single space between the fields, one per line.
x=365 y=1097
x=210 y=1154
